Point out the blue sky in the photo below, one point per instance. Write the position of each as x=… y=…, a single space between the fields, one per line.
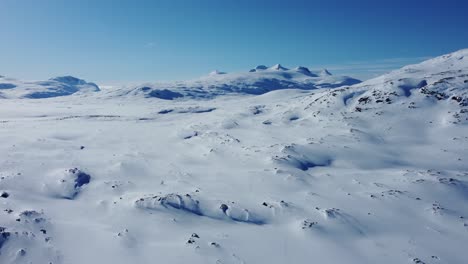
x=131 y=41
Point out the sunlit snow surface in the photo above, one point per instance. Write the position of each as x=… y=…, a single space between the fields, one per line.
x=372 y=173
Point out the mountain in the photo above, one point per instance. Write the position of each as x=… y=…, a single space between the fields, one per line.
x=256 y=81
x=59 y=86
x=431 y=85
x=374 y=172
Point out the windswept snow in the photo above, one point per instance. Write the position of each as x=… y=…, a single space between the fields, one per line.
x=375 y=172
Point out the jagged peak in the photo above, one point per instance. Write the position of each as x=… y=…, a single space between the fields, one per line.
x=278 y=67
x=216 y=72
x=324 y=72
x=303 y=69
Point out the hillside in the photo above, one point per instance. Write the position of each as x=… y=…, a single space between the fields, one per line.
x=373 y=172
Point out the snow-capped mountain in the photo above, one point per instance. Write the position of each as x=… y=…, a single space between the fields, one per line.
x=435 y=83
x=59 y=86
x=257 y=81
x=374 y=172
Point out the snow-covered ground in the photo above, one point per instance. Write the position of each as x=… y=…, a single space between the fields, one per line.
x=376 y=172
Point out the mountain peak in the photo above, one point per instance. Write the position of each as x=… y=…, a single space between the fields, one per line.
x=216 y=72
x=74 y=82
x=68 y=80
x=278 y=67
x=303 y=69
x=259 y=68
x=325 y=72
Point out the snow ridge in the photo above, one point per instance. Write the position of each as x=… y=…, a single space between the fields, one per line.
x=54 y=87
x=254 y=82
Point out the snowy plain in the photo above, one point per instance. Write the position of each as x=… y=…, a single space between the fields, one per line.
x=371 y=172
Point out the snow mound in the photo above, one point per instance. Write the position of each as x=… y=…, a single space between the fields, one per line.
x=301 y=158
x=66 y=183
x=211 y=209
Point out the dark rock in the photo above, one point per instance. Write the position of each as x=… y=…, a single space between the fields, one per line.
x=4 y=235
x=308 y=224
x=364 y=100
x=165 y=111
x=164 y=94
x=418 y=261
x=224 y=208
x=81 y=177
x=214 y=244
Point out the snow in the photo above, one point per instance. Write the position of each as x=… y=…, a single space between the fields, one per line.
x=256 y=81
x=325 y=175
x=216 y=72
x=278 y=67
x=58 y=86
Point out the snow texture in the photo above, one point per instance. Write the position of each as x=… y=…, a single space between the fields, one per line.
x=374 y=172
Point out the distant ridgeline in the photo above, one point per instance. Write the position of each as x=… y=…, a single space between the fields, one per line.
x=256 y=81
x=59 y=86
x=444 y=77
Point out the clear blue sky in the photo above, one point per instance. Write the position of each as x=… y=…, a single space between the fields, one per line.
x=137 y=40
